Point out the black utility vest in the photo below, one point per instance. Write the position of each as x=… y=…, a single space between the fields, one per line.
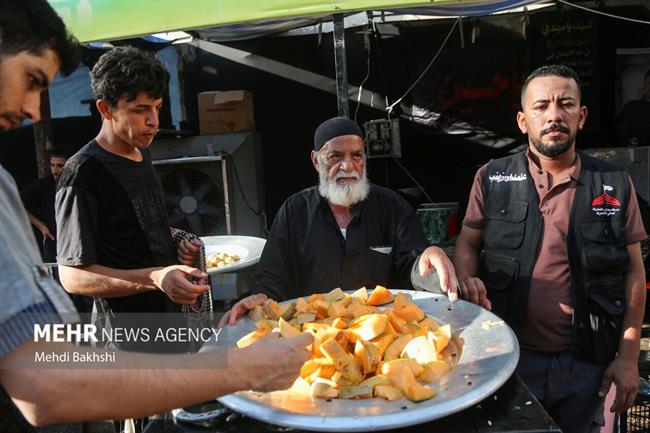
x=596 y=244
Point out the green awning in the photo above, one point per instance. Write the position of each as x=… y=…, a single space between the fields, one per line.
x=101 y=20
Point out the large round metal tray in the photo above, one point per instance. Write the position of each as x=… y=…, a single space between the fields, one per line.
x=489 y=357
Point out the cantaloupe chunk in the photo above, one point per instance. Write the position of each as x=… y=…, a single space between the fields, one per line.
x=382 y=342
x=361 y=294
x=248 y=339
x=400 y=375
x=387 y=392
x=339 y=323
x=334 y=295
x=441 y=337
x=336 y=309
x=394 y=350
x=316 y=297
x=287 y=311
x=421 y=349
x=368 y=327
x=416 y=368
x=300 y=386
x=323 y=388
x=376 y=380
x=380 y=296
x=410 y=313
x=356 y=311
x=335 y=353
x=257 y=313
x=430 y=323
x=302 y=306
x=398 y=323
x=417 y=392
x=401 y=300
x=352 y=371
x=306 y=318
x=286 y=330
x=368 y=356
x=321 y=308
x=357 y=391
x=434 y=371
x=271 y=309
x=322 y=334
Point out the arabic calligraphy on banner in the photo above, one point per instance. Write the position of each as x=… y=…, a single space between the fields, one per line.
x=571 y=38
x=478 y=85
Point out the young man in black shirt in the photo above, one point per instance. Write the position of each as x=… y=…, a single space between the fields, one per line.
x=114 y=238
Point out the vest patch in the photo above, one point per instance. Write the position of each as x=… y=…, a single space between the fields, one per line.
x=605 y=204
x=507 y=177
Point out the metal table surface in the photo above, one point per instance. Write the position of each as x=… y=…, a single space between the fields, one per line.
x=511 y=409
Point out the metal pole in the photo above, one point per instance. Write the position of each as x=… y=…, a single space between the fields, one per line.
x=341 y=66
x=43 y=136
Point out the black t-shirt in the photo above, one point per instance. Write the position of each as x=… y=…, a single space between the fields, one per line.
x=38 y=198
x=111 y=211
x=306 y=252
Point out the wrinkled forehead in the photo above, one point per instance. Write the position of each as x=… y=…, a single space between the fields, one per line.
x=344 y=144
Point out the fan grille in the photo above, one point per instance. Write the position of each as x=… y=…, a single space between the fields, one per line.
x=194 y=194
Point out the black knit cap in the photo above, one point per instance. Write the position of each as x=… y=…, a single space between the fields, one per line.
x=335 y=127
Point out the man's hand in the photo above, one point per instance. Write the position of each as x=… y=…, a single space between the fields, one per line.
x=474 y=291
x=276 y=361
x=46 y=232
x=436 y=258
x=625 y=375
x=188 y=252
x=173 y=281
x=240 y=308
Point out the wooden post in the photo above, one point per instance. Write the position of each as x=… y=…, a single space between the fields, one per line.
x=43 y=136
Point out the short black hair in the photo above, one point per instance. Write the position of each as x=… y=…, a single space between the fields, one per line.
x=33 y=26
x=125 y=72
x=551 y=71
x=58 y=153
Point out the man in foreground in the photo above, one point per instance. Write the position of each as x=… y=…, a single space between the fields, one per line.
x=550 y=243
x=34 y=46
x=345 y=232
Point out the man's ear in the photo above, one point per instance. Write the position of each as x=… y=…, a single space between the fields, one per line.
x=521 y=122
x=583 y=117
x=104 y=109
x=314 y=159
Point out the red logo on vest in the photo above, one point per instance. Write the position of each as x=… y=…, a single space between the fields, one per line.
x=606 y=200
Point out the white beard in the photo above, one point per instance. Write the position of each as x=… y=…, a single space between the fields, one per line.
x=343 y=194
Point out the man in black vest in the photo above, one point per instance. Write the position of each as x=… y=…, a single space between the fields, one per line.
x=550 y=243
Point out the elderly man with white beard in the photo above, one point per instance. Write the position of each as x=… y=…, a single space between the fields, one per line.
x=345 y=232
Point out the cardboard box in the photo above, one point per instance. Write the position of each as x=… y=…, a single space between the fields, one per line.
x=221 y=112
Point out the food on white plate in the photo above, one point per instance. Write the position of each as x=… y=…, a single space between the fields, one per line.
x=360 y=350
x=219 y=260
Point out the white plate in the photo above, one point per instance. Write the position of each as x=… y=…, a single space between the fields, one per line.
x=248 y=248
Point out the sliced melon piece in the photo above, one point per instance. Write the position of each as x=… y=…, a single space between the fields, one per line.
x=418 y=392
x=257 y=313
x=248 y=339
x=441 y=337
x=399 y=324
x=382 y=342
x=334 y=295
x=323 y=388
x=376 y=380
x=335 y=353
x=416 y=368
x=287 y=311
x=429 y=322
x=306 y=317
x=434 y=371
x=358 y=391
x=286 y=330
x=387 y=392
x=402 y=300
x=370 y=326
x=361 y=294
x=336 y=309
x=410 y=313
x=394 y=350
x=271 y=309
x=421 y=349
x=380 y=296
x=400 y=375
